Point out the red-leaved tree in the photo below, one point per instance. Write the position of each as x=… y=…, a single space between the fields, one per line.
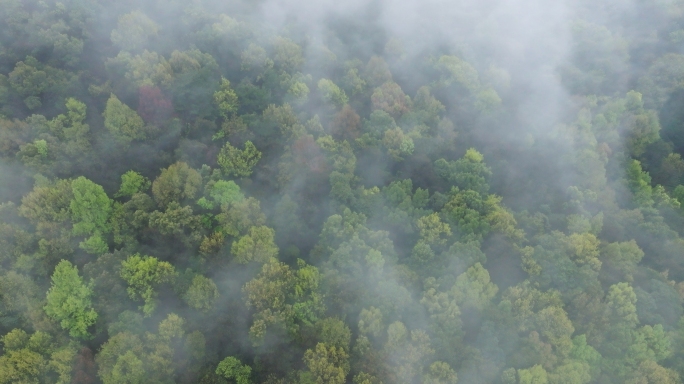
x=307 y=153
x=153 y=106
x=84 y=367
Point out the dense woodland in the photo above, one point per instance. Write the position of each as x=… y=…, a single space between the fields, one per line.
x=192 y=192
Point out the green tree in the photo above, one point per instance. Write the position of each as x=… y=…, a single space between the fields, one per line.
x=257 y=245
x=238 y=162
x=160 y=357
x=238 y=217
x=90 y=212
x=127 y=369
x=120 y=360
x=331 y=93
x=123 y=122
x=226 y=100
x=620 y=260
x=621 y=304
x=287 y=54
x=145 y=69
x=455 y=70
x=440 y=373
x=68 y=301
x=469 y=172
x=370 y=322
x=22 y=361
x=176 y=183
x=143 y=275
x=407 y=352
x=432 y=230
x=333 y=332
x=202 y=293
x=30 y=80
x=534 y=375
x=283 y=298
x=232 y=369
x=327 y=364
x=223 y=192
x=131 y=183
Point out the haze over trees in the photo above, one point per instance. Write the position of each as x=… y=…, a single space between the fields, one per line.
x=342 y=192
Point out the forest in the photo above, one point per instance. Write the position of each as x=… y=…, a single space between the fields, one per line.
x=359 y=192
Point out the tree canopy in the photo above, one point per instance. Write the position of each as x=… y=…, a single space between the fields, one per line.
x=355 y=192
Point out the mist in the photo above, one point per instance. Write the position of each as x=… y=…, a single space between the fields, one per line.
x=364 y=192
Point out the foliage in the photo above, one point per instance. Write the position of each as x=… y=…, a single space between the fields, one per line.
x=231 y=368
x=131 y=183
x=202 y=294
x=175 y=184
x=123 y=122
x=333 y=199
x=143 y=274
x=69 y=301
x=238 y=162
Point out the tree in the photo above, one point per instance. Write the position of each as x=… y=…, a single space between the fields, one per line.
x=232 y=368
x=128 y=369
x=85 y=370
x=90 y=211
x=327 y=365
x=202 y=293
x=159 y=357
x=153 y=106
x=377 y=71
x=237 y=218
x=534 y=375
x=333 y=332
x=226 y=100
x=176 y=183
x=131 y=183
x=134 y=31
x=455 y=70
x=238 y=162
x=621 y=304
x=224 y=192
x=258 y=245
x=123 y=122
x=331 y=93
x=287 y=54
x=407 y=352
x=143 y=275
x=145 y=69
x=440 y=373
x=346 y=124
x=390 y=98
x=21 y=362
x=48 y=206
x=68 y=301
x=61 y=363
x=29 y=81
x=663 y=76
x=473 y=288
x=283 y=298
x=370 y=322
x=469 y=172
x=620 y=260
x=432 y=230
x=468 y=212
x=650 y=372
x=398 y=144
